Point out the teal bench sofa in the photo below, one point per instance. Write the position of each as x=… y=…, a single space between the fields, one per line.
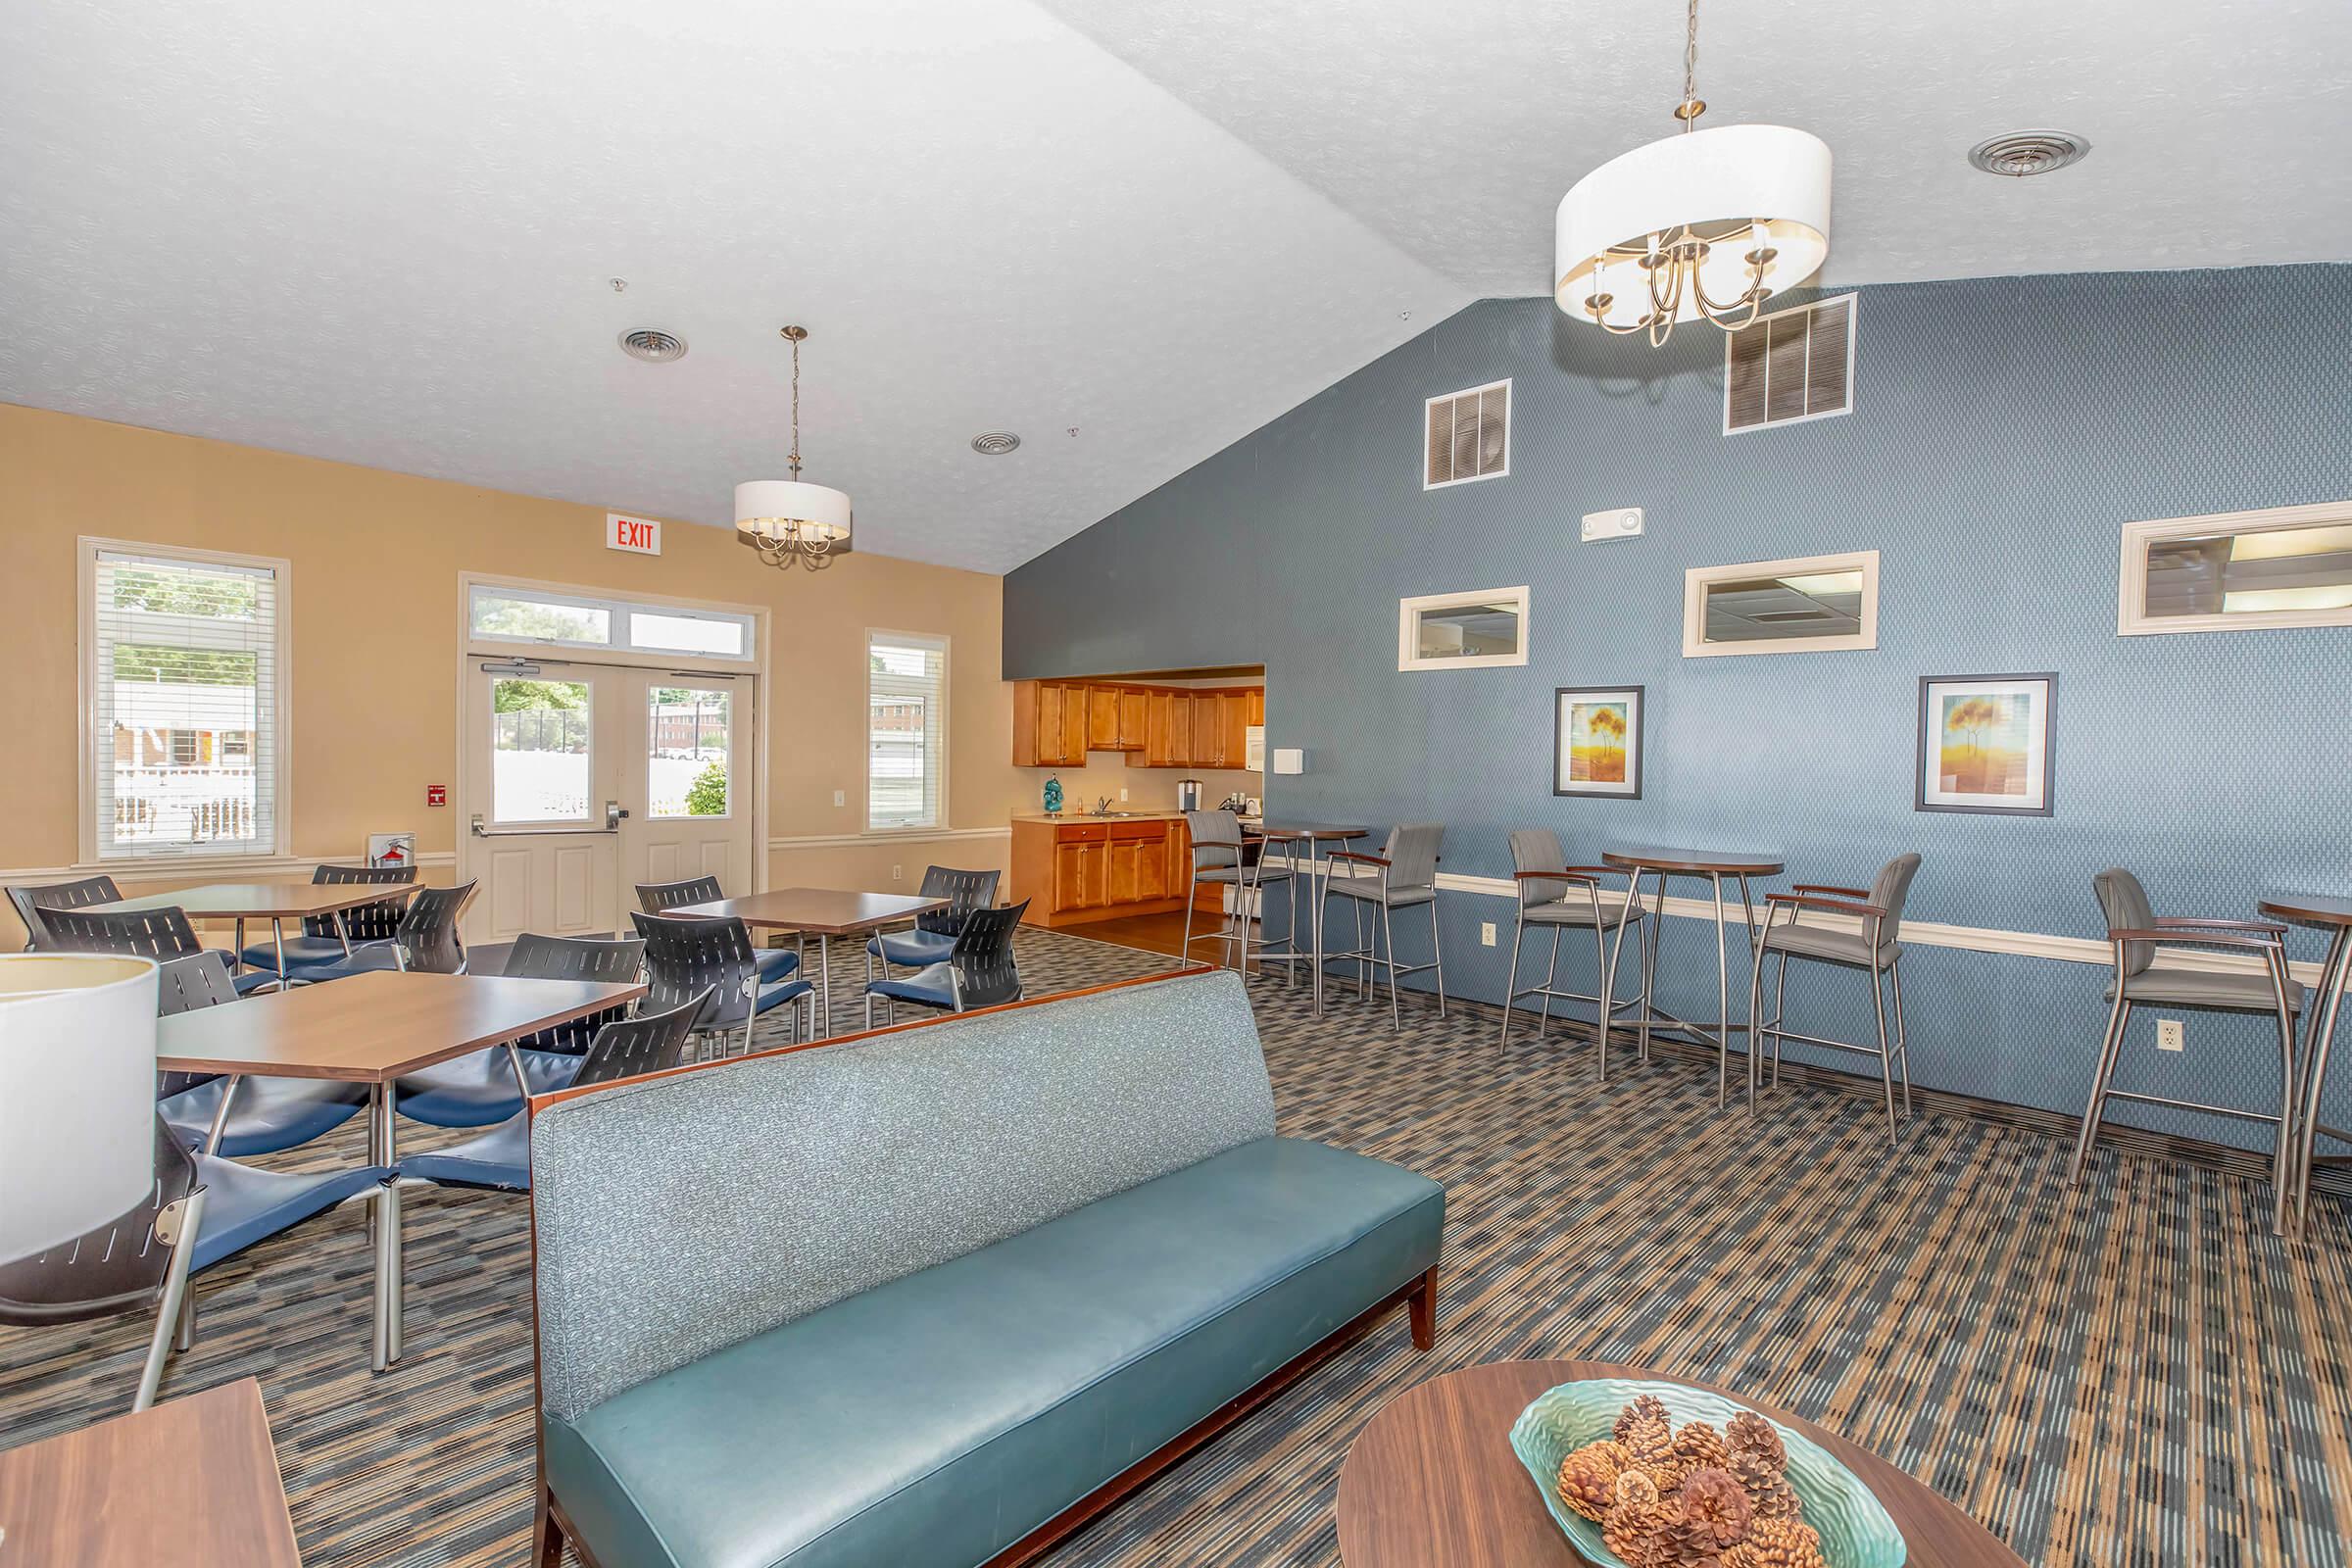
x=939 y=1295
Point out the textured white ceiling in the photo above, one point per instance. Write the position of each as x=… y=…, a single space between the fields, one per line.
x=381 y=233
x=2218 y=127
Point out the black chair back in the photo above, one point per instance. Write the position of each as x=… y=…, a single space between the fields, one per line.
x=985 y=971
x=619 y=961
x=648 y=1043
x=116 y=1267
x=157 y=934
x=971 y=890
x=30 y=902
x=428 y=932
x=365 y=923
x=182 y=985
x=655 y=897
x=684 y=959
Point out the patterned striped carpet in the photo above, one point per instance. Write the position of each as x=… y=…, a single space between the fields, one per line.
x=2134 y=1373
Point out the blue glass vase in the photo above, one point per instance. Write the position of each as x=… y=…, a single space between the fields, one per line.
x=1053 y=795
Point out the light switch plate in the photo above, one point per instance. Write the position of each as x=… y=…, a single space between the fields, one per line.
x=840 y=797
x=1619 y=523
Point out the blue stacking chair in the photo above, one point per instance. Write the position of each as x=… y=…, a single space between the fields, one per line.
x=321 y=941
x=424 y=942
x=501 y=1157
x=265 y=1115
x=481 y=1090
x=978 y=973
x=685 y=958
x=933 y=935
x=773 y=963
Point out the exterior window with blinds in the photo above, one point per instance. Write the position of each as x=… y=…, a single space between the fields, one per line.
x=907 y=731
x=183 y=680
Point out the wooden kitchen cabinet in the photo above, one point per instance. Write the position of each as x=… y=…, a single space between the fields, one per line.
x=1211 y=716
x=1056 y=723
x=1103 y=719
x=1049 y=724
x=1072 y=870
x=1254 y=705
x=1133 y=717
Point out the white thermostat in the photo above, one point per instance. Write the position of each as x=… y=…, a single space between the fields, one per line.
x=1621 y=522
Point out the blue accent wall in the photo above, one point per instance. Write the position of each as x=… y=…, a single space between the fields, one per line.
x=2004 y=430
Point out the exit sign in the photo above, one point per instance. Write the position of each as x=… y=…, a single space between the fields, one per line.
x=640 y=536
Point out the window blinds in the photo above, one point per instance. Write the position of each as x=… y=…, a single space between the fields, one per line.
x=184 y=721
x=907 y=696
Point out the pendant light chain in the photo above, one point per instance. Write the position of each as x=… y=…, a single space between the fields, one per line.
x=1690 y=107
x=794 y=336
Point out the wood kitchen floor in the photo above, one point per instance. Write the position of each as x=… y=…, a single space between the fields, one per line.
x=1154 y=933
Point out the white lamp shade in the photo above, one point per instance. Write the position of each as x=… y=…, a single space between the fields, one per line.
x=1760 y=175
x=1288 y=759
x=77 y=1094
x=777 y=508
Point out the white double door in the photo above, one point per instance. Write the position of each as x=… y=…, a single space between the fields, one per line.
x=586 y=779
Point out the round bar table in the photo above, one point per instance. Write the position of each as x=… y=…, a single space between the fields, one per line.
x=1432 y=1480
x=2334 y=915
x=1714 y=865
x=1311 y=834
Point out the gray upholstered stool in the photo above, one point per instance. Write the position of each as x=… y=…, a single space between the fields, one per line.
x=1402 y=876
x=1874 y=950
x=2134 y=930
x=1563 y=897
x=1222 y=858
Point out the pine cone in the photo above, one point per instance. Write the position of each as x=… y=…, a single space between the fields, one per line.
x=1718 y=1504
x=1699 y=1445
x=1683 y=1544
x=1651 y=1446
x=1588 y=1477
x=1776 y=1544
x=1633 y=1527
x=1769 y=1494
x=1648 y=1407
x=1750 y=1432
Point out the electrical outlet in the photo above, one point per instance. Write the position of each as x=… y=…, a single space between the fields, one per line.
x=840 y=797
x=2171 y=1035
x=898 y=873
x=1486 y=933
x=1122 y=794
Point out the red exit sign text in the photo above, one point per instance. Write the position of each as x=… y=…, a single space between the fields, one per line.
x=638 y=535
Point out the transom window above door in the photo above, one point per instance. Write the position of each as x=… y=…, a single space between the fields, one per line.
x=497 y=612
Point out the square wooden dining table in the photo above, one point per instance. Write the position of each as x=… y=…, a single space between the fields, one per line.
x=372 y=1028
x=276 y=901
x=821 y=912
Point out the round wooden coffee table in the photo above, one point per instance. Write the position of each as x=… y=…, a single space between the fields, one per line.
x=1433 y=1482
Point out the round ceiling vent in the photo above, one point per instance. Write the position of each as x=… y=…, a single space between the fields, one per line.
x=2028 y=152
x=652 y=346
x=996 y=443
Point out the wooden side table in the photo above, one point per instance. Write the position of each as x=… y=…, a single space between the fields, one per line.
x=1433 y=1482
x=191 y=1481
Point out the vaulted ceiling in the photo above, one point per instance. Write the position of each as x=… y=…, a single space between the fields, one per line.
x=385 y=235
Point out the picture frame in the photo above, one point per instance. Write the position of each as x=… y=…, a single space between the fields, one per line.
x=1596 y=741
x=1986 y=744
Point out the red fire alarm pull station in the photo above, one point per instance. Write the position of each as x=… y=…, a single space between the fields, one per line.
x=436 y=795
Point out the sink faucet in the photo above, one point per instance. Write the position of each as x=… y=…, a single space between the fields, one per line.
x=1102 y=807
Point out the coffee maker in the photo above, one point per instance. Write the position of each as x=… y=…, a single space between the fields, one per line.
x=1188 y=795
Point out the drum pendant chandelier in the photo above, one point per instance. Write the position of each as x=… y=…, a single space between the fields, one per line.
x=791 y=523
x=1704 y=224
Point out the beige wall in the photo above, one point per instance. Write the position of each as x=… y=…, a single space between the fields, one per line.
x=375 y=561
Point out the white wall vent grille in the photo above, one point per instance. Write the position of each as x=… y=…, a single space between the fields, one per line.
x=1468 y=436
x=1790 y=365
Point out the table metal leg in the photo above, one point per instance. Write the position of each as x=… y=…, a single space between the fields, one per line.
x=1723 y=998
x=277 y=935
x=824 y=982
x=2312 y=1075
x=237 y=955
x=381 y=1150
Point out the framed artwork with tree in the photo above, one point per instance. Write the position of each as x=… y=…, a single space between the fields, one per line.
x=1596 y=741
x=1986 y=744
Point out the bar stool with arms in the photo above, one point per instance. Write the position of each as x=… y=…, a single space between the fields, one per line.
x=2134 y=930
x=1555 y=893
x=1222 y=858
x=1402 y=876
x=1875 y=950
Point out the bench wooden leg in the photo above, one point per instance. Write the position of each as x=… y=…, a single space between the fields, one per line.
x=547 y=1534
x=1423 y=1303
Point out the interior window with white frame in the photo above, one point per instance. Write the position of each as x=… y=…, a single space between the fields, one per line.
x=2237 y=571
x=1809 y=605
x=907 y=731
x=183 y=680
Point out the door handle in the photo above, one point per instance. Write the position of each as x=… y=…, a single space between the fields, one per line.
x=613 y=813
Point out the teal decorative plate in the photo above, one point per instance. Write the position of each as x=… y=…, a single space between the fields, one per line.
x=1855 y=1532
